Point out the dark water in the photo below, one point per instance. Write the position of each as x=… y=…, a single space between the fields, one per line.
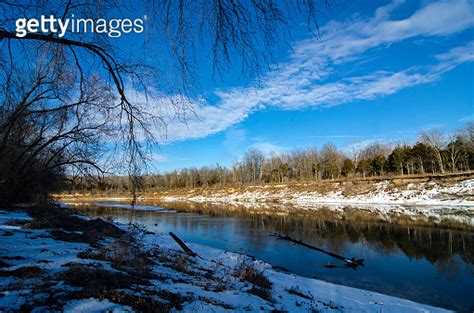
x=422 y=261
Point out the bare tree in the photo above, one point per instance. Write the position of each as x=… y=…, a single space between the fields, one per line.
x=55 y=79
x=377 y=152
x=331 y=160
x=437 y=141
x=253 y=163
x=467 y=134
x=455 y=149
x=46 y=127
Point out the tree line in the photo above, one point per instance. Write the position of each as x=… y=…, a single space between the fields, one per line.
x=435 y=152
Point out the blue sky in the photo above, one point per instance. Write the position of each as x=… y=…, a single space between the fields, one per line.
x=381 y=71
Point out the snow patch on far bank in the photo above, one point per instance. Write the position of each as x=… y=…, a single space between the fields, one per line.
x=419 y=194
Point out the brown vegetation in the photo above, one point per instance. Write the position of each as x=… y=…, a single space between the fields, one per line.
x=348 y=186
x=23 y=272
x=261 y=285
x=428 y=159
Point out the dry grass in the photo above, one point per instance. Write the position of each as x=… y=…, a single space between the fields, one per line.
x=249 y=273
x=55 y=218
x=23 y=272
x=138 y=303
x=123 y=255
x=79 y=275
x=261 y=285
x=261 y=292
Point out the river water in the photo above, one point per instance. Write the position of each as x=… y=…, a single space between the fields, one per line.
x=422 y=259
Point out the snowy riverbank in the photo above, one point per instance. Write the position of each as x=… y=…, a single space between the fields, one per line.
x=75 y=264
x=432 y=194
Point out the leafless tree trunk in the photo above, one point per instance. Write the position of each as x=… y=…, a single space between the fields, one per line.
x=436 y=140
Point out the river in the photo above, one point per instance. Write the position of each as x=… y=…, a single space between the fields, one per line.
x=424 y=260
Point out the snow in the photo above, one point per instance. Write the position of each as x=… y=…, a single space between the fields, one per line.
x=209 y=282
x=35 y=246
x=92 y=305
x=420 y=194
x=325 y=296
x=31 y=247
x=434 y=201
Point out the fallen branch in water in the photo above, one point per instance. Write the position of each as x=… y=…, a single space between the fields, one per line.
x=352 y=262
x=345 y=265
x=182 y=245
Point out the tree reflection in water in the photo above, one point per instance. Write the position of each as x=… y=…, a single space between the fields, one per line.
x=417 y=238
x=424 y=258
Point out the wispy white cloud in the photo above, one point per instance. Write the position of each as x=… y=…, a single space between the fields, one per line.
x=306 y=80
x=467 y=118
x=269 y=149
x=458 y=54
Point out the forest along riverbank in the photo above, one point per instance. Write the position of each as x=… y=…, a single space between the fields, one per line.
x=54 y=259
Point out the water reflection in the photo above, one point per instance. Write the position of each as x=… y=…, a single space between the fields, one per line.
x=419 y=259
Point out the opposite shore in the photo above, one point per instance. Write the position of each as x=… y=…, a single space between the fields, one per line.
x=454 y=190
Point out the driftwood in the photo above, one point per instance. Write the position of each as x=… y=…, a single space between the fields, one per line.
x=182 y=245
x=345 y=265
x=352 y=262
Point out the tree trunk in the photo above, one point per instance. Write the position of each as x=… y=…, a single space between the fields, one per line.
x=440 y=161
x=422 y=169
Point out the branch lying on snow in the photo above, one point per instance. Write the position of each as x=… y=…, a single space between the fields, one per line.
x=183 y=246
x=352 y=262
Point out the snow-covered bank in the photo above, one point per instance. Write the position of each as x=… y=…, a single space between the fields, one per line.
x=216 y=281
x=289 y=292
x=427 y=202
x=432 y=194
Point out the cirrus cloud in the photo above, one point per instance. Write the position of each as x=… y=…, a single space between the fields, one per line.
x=317 y=73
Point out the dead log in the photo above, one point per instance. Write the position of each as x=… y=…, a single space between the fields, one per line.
x=352 y=262
x=345 y=265
x=182 y=245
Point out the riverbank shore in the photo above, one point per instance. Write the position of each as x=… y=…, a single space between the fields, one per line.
x=55 y=259
x=456 y=191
